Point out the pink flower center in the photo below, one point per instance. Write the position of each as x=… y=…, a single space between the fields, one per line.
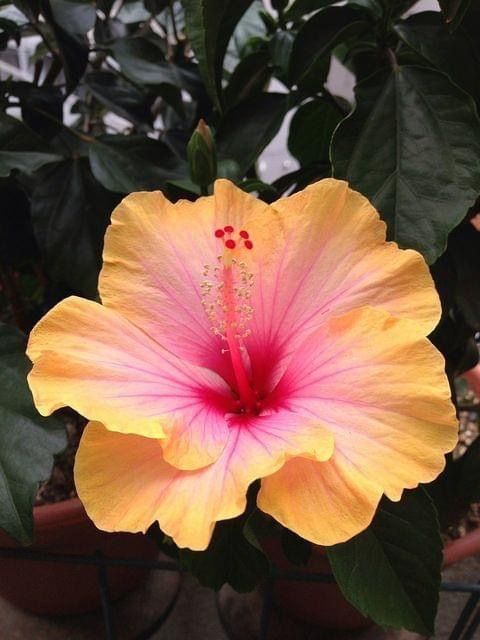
x=225 y=297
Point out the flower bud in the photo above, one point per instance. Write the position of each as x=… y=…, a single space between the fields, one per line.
x=202 y=156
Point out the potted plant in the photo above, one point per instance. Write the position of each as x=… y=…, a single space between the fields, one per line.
x=30 y=444
x=170 y=96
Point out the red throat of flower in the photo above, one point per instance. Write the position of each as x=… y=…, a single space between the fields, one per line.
x=225 y=297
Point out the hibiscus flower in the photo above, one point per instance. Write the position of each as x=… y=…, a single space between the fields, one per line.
x=239 y=341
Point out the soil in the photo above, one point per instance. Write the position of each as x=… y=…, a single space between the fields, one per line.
x=60 y=485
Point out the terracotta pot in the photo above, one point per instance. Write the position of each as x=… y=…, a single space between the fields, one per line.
x=462 y=548
x=318 y=604
x=55 y=588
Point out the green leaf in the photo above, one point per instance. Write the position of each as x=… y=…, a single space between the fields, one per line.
x=280 y=47
x=133 y=163
x=27 y=441
x=70 y=213
x=8 y=30
x=210 y=24
x=311 y=131
x=464 y=250
x=454 y=11
x=120 y=97
x=457 y=54
x=412 y=147
x=248 y=78
x=315 y=41
x=301 y=8
x=296 y=549
x=391 y=571
x=247 y=129
x=21 y=148
x=42 y=107
x=72 y=48
x=230 y=558
x=143 y=62
x=74 y=16
x=30 y=8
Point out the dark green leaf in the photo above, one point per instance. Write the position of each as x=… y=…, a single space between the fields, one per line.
x=454 y=11
x=280 y=47
x=72 y=49
x=155 y=6
x=17 y=244
x=248 y=128
x=21 y=148
x=8 y=30
x=42 y=107
x=70 y=213
x=464 y=250
x=230 y=558
x=143 y=62
x=301 y=8
x=457 y=54
x=248 y=78
x=210 y=24
x=310 y=57
x=125 y=164
x=391 y=571
x=30 y=8
x=120 y=97
x=411 y=147
x=296 y=549
x=311 y=131
x=27 y=441
x=74 y=16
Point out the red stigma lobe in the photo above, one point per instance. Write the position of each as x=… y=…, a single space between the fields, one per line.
x=230 y=244
x=219 y=233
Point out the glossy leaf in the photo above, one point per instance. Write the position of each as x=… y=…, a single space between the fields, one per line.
x=133 y=164
x=230 y=558
x=41 y=107
x=120 y=97
x=280 y=46
x=454 y=10
x=248 y=78
x=30 y=8
x=28 y=442
x=21 y=148
x=411 y=147
x=210 y=24
x=72 y=48
x=296 y=549
x=301 y=8
x=70 y=213
x=73 y=16
x=310 y=56
x=391 y=571
x=248 y=128
x=144 y=63
x=457 y=54
x=311 y=131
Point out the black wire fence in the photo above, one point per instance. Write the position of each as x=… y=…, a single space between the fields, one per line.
x=466 y=627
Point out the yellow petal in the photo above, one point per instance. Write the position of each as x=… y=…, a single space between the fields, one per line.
x=324 y=502
x=90 y=358
x=338 y=260
x=126 y=485
x=380 y=388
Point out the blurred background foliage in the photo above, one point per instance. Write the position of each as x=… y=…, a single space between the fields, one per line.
x=111 y=103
